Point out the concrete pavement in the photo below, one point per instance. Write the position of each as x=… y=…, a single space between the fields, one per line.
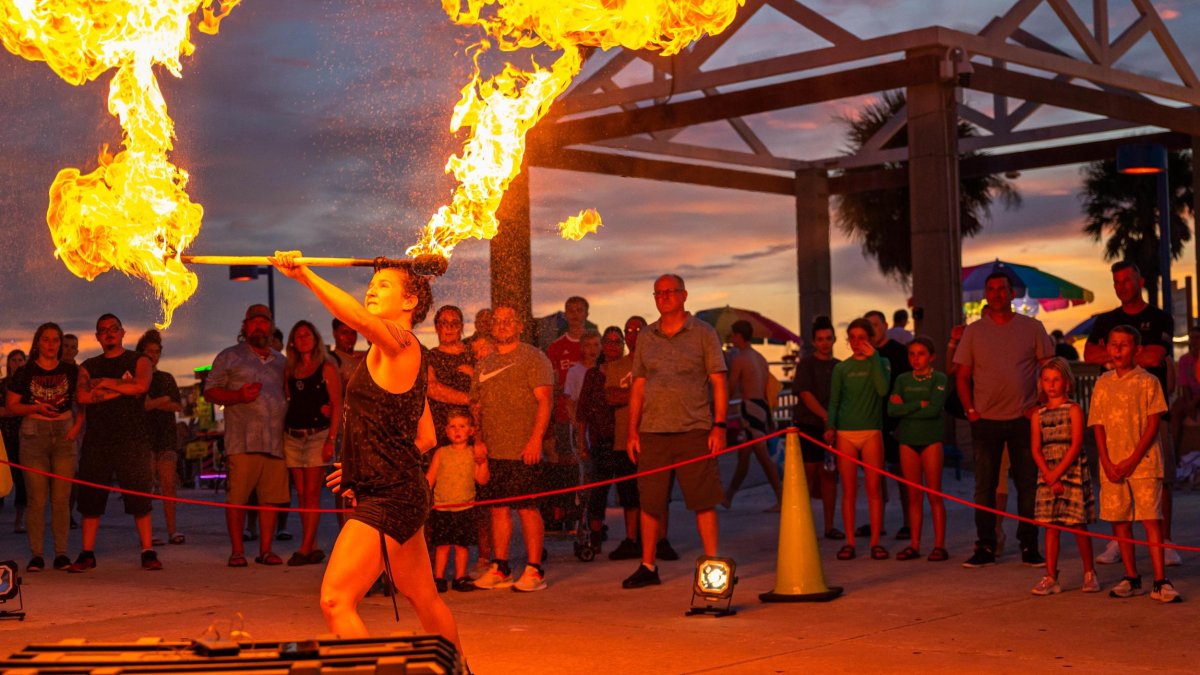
x=894 y=617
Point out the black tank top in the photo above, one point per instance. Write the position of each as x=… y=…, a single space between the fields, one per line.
x=121 y=420
x=379 y=433
x=445 y=366
x=306 y=397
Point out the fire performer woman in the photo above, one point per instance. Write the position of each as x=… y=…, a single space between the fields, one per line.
x=387 y=427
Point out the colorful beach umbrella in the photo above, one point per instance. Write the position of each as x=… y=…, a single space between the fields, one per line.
x=764 y=329
x=1051 y=292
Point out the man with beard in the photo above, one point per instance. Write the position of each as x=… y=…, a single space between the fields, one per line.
x=511 y=398
x=248 y=380
x=115 y=442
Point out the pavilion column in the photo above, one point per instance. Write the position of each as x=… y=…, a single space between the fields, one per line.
x=933 y=183
x=511 y=264
x=813 y=269
x=1195 y=209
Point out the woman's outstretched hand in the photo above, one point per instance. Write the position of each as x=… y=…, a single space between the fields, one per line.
x=285 y=262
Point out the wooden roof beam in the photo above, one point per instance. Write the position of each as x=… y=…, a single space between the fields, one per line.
x=656 y=169
x=1075 y=97
x=795 y=93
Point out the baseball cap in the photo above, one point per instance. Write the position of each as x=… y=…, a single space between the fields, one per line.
x=258 y=310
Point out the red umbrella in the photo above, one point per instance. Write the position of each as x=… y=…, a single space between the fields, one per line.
x=764 y=329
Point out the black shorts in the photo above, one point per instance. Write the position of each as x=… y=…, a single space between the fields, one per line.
x=397 y=512
x=128 y=463
x=891 y=446
x=813 y=453
x=606 y=465
x=453 y=528
x=513 y=478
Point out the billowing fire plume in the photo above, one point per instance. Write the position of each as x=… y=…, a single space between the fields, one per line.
x=132 y=211
x=500 y=110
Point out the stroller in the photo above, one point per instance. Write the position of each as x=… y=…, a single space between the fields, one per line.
x=587 y=543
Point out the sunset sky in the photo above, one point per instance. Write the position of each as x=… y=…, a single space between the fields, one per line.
x=323 y=126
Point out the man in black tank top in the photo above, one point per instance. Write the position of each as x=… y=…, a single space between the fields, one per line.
x=115 y=443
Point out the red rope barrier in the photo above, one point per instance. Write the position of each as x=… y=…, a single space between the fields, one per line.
x=165 y=498
x=611 y=481
x=959 y=500
x=488 y=502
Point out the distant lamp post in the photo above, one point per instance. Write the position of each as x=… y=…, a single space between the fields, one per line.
x=250 y=273
x=1151 y=158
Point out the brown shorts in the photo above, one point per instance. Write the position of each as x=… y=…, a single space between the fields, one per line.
x=700 y=481
x=257 y=471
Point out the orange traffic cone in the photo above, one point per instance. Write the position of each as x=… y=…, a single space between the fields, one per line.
x=798 y=573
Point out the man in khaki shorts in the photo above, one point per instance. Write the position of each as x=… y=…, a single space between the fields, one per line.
x=678 y=358
x=248 y=380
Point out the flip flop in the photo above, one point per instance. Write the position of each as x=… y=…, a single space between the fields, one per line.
x=268 y=559
x=177 y=538
x=879 y=553
x=846 y=553
x=909 y=553
x=237 y=560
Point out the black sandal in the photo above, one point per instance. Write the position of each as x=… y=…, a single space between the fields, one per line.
x=909 y=553
x=879 y=553
x=834 y=533
x=846 y=553
x=938 y=554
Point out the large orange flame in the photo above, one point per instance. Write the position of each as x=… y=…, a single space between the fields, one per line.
x=501 y=109
x=132 y=211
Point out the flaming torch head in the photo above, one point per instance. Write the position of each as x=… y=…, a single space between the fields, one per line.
x=430 y=264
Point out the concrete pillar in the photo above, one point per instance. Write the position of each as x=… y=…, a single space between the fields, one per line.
x=933 y=184
x=1195 y=210
x=511 y=266
x=813 y=269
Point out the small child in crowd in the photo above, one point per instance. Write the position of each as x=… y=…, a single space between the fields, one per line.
x=453 y=473
x=917 y=400
x=1126 y=405
x=1064 y=493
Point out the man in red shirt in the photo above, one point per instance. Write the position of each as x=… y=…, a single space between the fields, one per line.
x=563 y=467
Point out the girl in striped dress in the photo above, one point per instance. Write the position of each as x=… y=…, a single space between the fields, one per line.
x=1064 y=494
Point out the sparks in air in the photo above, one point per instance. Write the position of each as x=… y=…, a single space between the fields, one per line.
x=131 y=212
x=500 y=110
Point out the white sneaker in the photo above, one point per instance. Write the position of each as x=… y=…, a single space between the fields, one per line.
x=1090 y=583
x=1126 y=588
x=1047 y=586
x=1111 y=554
x=494 y=579
x=1165 y=592
x=532 y=580
x=1171 y=556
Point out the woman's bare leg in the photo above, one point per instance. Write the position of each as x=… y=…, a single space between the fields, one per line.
x=872 y=454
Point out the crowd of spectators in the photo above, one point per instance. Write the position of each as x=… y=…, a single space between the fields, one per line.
x=512 y=420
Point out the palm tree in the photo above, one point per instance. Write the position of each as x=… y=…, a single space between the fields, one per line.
x=879 y=219
x=1125 y=208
